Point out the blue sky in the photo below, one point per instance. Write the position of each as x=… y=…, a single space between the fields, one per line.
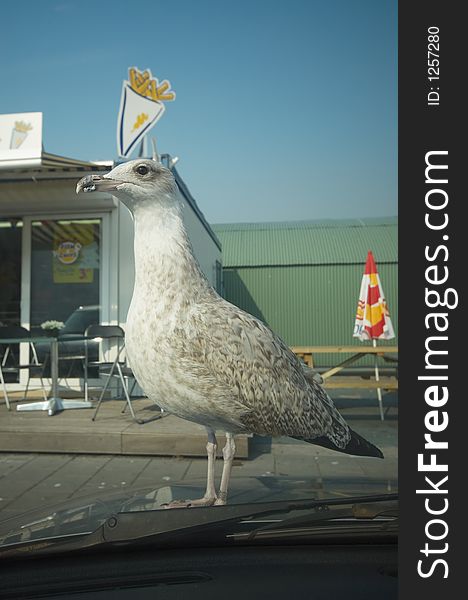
x=284 y=110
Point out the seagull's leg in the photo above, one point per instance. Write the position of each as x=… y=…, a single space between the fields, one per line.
x=210 y=494
x=229 y=451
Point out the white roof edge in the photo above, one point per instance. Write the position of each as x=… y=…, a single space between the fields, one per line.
x=49 y=161
x=103 y=163
x=28 y=163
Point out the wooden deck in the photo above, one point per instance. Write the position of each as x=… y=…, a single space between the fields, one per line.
x=73 y=431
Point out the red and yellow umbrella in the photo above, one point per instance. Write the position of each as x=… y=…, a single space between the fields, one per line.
x=372 y=318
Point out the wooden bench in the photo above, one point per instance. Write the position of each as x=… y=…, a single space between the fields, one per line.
x=385 y=383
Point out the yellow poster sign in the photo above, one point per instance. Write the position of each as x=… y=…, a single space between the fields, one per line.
x=75 y=254
x=71 y=274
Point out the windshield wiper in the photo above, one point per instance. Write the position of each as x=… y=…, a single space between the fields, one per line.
x=382 y=515
x=128 y=528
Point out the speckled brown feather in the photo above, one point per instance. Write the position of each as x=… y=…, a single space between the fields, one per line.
x=263 y=375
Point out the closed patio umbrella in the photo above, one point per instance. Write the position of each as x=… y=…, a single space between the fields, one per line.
x=373 y=319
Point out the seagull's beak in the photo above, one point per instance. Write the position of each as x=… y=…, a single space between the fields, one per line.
x=96 y=183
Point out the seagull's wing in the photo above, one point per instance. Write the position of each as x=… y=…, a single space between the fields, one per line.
x=240 y=354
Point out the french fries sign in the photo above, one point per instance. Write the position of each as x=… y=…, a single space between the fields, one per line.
x=141 y=106
x=20 y=139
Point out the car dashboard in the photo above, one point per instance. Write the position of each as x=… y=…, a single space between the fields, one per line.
x=313 y=571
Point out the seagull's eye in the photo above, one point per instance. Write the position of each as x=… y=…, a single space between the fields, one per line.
x=142 y=170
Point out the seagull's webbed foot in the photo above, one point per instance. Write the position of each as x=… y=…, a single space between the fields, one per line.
x=221 y=500
x=205 y=501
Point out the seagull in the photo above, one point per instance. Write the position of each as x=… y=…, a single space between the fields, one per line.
x=197 y=355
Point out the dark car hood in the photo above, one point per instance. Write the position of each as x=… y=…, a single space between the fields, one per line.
x=84 y=514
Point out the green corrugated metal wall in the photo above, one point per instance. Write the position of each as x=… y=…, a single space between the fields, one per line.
x=307 y=242
x=309 y=304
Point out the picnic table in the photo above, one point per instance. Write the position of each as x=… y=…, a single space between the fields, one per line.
x=306 y=353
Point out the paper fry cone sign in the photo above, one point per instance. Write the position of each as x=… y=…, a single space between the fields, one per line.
x=19 y=133
x=372 y=319
x=141 y=106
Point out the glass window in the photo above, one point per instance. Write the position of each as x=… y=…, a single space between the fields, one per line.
x=65 y=268
x=10 y=271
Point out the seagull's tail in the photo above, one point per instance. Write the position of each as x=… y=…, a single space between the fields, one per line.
x=357 y=445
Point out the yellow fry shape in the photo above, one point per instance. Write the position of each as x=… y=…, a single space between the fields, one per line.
x=143 y=84
x=152 y=93
x=162 y=95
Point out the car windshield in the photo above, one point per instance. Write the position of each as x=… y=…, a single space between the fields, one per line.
x=220 y=217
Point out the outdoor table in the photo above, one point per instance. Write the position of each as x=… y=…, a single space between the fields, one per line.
x=357 y=352
x=54 y=403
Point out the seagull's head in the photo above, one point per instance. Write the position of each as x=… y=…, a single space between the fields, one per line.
x=136 y=183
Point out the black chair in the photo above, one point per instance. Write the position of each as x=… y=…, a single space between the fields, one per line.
x=10 y=363
x=118 y=368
